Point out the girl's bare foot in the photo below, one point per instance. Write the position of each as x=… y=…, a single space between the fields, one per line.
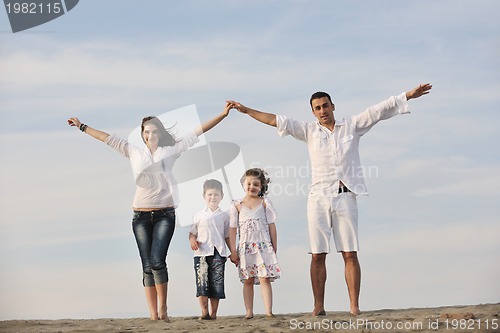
x=153 y=316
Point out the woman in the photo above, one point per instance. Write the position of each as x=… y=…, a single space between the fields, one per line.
x=155 y=197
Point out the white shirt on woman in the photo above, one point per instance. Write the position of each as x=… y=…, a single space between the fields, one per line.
x=155 y=184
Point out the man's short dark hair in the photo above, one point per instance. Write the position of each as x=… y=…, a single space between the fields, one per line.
x=319 y=94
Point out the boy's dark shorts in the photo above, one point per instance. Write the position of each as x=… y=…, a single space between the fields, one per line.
x=209 y=273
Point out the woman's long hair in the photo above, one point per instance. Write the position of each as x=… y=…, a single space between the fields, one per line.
x=166 y=138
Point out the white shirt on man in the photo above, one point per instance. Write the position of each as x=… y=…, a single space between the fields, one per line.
x=334 y=154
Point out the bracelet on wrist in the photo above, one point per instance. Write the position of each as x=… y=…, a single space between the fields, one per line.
x=83 y=127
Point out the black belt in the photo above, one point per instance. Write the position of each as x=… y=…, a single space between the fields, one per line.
x=156 y=211
x=344 y=189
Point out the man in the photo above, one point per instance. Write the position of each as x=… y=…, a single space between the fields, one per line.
x=337 y=179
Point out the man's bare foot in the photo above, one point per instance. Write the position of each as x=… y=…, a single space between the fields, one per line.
x=249 y=315
x=317 y=313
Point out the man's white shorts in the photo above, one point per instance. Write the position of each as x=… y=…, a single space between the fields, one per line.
x=327 y=214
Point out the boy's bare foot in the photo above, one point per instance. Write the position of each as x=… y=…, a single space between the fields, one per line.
x=205 y=317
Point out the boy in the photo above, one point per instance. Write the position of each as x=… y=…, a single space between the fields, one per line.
x=208 y=236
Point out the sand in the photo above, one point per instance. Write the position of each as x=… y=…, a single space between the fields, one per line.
x=474 y=318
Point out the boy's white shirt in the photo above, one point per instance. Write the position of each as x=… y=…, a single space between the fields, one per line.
x=211 y=230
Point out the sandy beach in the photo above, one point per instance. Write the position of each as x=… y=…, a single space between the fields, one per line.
x=473 y=318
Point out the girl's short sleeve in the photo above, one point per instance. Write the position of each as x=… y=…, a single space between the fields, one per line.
x=271 y=214
x=233 y=215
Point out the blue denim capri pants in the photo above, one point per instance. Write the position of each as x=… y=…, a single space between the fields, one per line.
x=209 y=271
x=153 y=231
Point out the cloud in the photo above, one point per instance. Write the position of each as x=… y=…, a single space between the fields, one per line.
x=449 y=176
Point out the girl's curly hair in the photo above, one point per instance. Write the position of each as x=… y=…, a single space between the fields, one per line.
x=262 y=175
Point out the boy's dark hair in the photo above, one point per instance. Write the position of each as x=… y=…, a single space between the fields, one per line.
x=166 y=138
x=261 y=174
x=319 y=94
x=212 y=184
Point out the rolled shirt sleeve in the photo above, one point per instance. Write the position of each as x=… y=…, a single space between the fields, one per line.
x=288 y=126
x=389 y=108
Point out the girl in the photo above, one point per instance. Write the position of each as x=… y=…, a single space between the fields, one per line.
x=153 y=221
x=253 y=218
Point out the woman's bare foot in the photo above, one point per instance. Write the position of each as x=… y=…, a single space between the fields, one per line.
x=164 y=317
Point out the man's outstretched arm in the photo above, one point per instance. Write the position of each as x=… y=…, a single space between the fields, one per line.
x=263 y=117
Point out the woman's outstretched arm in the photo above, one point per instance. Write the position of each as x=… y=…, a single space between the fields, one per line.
x=208 y=125
x=99 y=135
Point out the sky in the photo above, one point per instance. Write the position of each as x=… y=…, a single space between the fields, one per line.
x=428 y=230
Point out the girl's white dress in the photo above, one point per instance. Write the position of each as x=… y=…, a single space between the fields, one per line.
x=255 y=250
